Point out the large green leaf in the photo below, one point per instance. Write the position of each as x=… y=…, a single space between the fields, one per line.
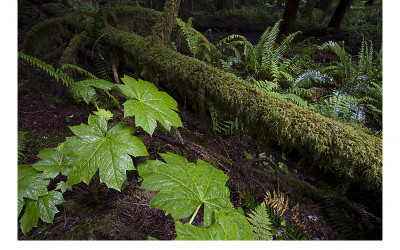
x=44 y=208
x=184 y=186
x=229 y=225
x=149 y=105
x=84 y=90
x=30 y=185
x=53 y=162
x=96 y=148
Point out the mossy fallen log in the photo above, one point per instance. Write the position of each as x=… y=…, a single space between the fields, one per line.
x=53 y=30
x=348 y=152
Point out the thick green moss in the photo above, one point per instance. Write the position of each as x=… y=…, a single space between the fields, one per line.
x=70 y=53
x=162 y=30
x=54 y=9
x=129 y=18
x=349 y=153
x=54 y=29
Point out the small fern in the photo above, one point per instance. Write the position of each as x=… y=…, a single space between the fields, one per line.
x=268 y=220
x=22 y=136
x=222 y=126
x=262 y=226
x=191 y=38
x=102 y=64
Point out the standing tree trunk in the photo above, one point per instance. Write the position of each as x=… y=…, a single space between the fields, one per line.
x=325 y=10
x=308 y=10
x=225 y=5
x=338 y=16
x=289 y=17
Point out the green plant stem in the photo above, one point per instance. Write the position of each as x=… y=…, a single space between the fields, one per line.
x=194 y=215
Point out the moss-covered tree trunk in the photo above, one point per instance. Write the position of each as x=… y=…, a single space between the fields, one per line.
x=163 y=29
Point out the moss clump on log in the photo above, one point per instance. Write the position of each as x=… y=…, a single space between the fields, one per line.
x=52 y=29
x=348 y=152
x=129 y=18
x=76 y=43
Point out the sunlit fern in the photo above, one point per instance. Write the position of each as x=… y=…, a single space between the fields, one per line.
x=341 y=106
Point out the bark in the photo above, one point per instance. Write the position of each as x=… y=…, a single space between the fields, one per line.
x=225 y=5
x=289 y=17
x=308 y=10
x=325 y=10
x=338 y=17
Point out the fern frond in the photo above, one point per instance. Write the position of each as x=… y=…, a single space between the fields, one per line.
x=344 y=107
x=296 y=99
x=266 y=86
x=337 y=49
x=283 y=46
x=307 y=79
x=77 y=69
x=262 y=225
x=191 y=38
x=102 y=65
x=304 y=93
x=47 y=68
x=22 y=135
x=227 y=41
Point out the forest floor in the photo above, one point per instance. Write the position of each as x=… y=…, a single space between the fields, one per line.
x=45 y=109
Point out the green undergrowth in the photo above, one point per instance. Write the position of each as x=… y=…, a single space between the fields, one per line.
x=346 y=151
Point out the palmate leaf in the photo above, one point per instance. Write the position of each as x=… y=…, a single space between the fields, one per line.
x=229 y=225
x=44 y=208
x=96 y=148
x=185 y=186
x=104 y=113
x=53 y=162
x=84 y=90
x=30 y=185
x=63 y=186
x=149 y=105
